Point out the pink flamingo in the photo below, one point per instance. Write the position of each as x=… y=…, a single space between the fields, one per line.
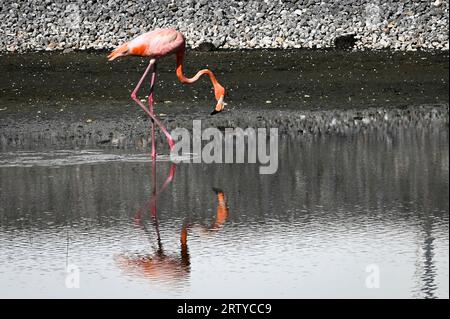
x=157 y=44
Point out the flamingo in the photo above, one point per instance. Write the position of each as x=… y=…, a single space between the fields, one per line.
x=157 y=44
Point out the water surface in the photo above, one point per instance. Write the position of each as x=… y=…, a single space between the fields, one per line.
x=335 y=207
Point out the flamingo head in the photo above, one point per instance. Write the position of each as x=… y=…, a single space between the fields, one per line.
x=220 y=94
x=119 y=51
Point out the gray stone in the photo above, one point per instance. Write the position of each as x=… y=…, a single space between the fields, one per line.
x=406 y=25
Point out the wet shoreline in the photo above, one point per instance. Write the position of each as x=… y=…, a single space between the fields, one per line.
x=131 y=132
x=80 y=100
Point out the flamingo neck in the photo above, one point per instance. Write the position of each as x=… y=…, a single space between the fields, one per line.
x=219 y=91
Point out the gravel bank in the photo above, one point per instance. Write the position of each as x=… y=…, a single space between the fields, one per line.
x=33 y=25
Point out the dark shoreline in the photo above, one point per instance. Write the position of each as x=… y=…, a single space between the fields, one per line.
x=81 y=100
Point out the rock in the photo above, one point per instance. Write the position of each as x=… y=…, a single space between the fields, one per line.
x=437 y=3
x=279 y=40
x=51 y=46
x=345 y=42
x=205 y=47
x=384 y=43
x=218 y=42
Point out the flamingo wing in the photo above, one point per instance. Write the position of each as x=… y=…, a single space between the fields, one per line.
x=159 y=42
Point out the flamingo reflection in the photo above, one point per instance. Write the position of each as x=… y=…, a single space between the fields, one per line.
x=161 y=265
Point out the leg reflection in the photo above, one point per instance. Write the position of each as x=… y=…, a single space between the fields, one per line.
x=162 y=266
x=158 y=266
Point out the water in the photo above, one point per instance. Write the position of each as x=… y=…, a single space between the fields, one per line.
x=337 y=211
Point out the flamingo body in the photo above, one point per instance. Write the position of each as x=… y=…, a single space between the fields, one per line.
x=154 y=44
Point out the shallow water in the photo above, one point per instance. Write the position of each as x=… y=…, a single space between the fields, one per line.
x=336 y=209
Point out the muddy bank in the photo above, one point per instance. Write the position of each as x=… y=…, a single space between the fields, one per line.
x=298 y=79
x=79 y=99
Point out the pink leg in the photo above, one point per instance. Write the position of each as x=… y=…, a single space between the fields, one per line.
x=154 y=196
x=152 y=116
x=150 y=107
